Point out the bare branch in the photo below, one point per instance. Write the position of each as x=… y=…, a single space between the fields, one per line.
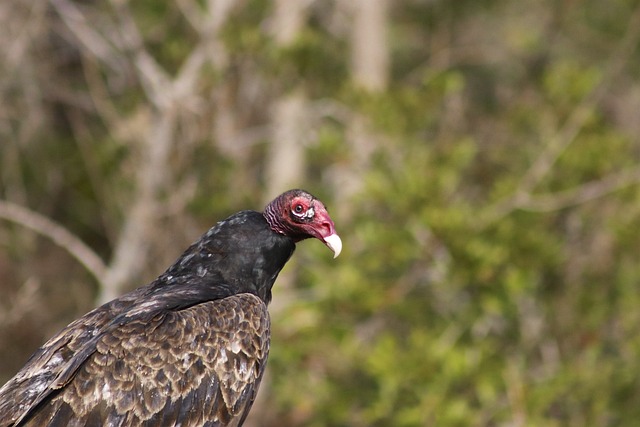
x=57 y=233
x=132 y=248
x=87 y=36
x=565 y=136
x=184 y=86
x=583 y=193
x=192 y=13
x=153 y=76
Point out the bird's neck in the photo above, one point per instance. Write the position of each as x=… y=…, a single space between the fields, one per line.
x=272 y=216
x=239 y=255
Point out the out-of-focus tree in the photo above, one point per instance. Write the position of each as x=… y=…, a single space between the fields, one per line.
x=369 y=53
x=481 y=157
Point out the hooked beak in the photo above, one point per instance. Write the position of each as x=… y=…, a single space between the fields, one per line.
x=334 y=243
x=324 y=229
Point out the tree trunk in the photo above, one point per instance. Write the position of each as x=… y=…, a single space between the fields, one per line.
x=369 y=71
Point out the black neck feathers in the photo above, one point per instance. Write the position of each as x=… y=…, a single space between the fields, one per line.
x=241 y=254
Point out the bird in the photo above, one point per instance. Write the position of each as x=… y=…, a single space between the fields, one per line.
x=189 y=348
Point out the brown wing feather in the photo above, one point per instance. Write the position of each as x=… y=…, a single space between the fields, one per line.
x=193 y=367
x=38 y=376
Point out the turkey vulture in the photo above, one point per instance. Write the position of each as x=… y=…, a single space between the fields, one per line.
x=188 y=349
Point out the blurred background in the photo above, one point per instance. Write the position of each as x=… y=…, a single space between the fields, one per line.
x=480 y=160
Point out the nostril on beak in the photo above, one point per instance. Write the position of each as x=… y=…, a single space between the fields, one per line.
x=327 y=228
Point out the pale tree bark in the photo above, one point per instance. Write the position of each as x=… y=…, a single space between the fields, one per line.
x=369 y=65
x=226 y=123
x=285 y=162
x=369 y=45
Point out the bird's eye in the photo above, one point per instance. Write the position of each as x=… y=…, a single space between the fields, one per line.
x=298 y=209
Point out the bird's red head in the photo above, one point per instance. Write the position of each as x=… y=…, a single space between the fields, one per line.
x=299 y=215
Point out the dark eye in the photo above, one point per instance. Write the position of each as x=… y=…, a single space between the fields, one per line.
x=298 y=209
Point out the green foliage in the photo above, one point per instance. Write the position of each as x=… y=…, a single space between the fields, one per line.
x=435 y=317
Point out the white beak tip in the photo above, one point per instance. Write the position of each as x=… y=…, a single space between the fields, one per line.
x=334 y=243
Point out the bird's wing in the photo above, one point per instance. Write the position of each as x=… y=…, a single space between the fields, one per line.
x=197 y=366
x=35 y=381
